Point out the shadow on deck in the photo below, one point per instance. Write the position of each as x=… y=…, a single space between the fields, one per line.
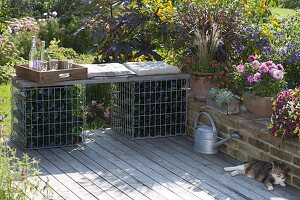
x=110 y=166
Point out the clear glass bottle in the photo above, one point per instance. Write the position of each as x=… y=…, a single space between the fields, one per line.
x=44 y=58
x=33 y=56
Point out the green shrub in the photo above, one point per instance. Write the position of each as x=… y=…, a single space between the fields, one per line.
x=62 y=53
x=15 y=175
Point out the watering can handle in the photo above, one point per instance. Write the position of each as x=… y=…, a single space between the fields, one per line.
x=198 y=115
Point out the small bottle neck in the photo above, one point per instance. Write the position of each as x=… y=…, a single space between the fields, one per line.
x=43 y=45
x=33 y=44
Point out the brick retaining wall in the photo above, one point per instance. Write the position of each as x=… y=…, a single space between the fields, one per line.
x=256 y=140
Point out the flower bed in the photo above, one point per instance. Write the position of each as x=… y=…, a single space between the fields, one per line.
x=285 y=121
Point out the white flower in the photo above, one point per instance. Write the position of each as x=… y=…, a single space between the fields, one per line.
x=54 y=13
x=94 y=103
x=9 y=30
x=278 y=75
x=45 y=14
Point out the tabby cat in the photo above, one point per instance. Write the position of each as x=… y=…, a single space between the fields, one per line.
x=267 y=172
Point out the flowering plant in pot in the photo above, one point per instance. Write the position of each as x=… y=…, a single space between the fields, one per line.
x=285 y=120
x=261 y=81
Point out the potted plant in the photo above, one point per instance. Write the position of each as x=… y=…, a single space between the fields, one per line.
x=209 y=34
x=261 y=81
x=223 y=100
x=285 y=120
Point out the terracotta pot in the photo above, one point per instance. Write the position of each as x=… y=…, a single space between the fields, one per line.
x=200 y=87
x=260 y=106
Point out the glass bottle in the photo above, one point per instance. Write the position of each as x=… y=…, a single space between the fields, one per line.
x=44 y=57
x=33 y=56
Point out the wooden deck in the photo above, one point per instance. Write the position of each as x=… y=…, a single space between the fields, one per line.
x=110 y=166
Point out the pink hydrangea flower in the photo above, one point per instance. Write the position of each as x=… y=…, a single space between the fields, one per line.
x=256 y=64
x=240 y=68
x=106 y=114
x=257 y=77
x=263 y=68
x=251 y=58
x=278 y=74
x=250 y=79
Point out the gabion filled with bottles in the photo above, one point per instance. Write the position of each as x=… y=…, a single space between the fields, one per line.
x=152 y=108
x=48 y=116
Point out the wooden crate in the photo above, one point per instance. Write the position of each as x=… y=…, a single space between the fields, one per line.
x=75 y=73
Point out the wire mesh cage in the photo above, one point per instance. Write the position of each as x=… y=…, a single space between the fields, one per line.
x=152 y=108
x=48 y=116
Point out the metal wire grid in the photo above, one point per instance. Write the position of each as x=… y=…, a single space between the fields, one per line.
x=148 y=109
x=48 y=116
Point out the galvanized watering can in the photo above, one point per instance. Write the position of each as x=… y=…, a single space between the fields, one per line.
x=206 y=137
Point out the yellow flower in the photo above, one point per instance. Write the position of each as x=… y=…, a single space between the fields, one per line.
x=275 y=23
x=163 y=18
x=297 y=130
x=270 y=126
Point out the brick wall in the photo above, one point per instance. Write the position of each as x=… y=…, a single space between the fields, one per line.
x=256 y=140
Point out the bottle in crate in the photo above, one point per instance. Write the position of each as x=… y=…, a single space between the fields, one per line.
x=33 y=56
x=44 y=57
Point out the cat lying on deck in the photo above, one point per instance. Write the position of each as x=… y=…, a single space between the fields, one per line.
x=267 y=172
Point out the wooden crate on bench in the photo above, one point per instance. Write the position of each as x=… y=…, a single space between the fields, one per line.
x=75 y=73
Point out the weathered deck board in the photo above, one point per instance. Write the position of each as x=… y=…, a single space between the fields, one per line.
x=110 y=166
x=162 y=166
x=221 y=160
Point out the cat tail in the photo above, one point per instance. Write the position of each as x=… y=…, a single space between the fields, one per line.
x=238 y=167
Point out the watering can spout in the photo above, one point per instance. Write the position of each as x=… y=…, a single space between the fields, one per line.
x=223 y=141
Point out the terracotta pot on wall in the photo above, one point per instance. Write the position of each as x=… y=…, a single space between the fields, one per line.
x=200 y=87
x=260 y=106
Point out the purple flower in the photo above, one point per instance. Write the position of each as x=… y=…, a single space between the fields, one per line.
x=297 y=54
x=240 y=68
x=269 y=63
x=257 y=77
x=255 y=64
x=29 y=29
x=240 y=49
x=1 y=119
x=251 y=58
x=17 y=28
x=252 y=36
x=278 y=74
x=250 y=79
x=263 y=68
x=283 y=50
x=280 y=67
